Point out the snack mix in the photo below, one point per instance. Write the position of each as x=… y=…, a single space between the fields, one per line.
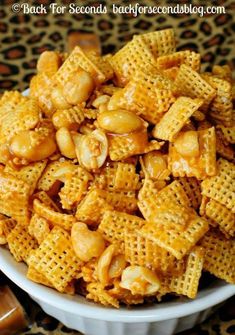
x=117 y=175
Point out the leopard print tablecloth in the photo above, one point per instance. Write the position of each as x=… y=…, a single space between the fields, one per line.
x=24 y=37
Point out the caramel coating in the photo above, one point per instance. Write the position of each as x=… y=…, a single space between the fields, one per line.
x=31 y=146
x=119 y=121
x=65 y=143
x=78 y=88
x=87 y=244
x=92 y=150
x=187 y=144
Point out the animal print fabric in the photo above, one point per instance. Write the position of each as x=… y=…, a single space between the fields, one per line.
x=24 y=37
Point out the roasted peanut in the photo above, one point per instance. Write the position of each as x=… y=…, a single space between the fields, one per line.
x=155 y=164
x=187 y=144
x=110 y=265
x=115 y=100
x=87 y=244
x=65 y=143
x=104 y=263
x=30 y=145
x=69 y=118
x=78 y=88
x=49 y=62
x=86 y=128
x=68 y=168
x=119 y=121
x=140 y=280
x=117 y=265
x=58 y=99
x=101 y=101
x=92 y=150
x=76 y=139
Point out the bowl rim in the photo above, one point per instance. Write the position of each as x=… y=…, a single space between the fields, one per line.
x=80 y=307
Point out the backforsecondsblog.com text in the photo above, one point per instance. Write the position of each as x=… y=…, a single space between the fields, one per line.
x=131 y=9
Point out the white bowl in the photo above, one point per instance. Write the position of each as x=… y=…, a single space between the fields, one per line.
x=77 y=313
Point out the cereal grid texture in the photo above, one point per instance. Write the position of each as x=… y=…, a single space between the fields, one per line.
x=55 y=259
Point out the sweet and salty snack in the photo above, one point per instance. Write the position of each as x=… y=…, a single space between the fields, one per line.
x=117 y=172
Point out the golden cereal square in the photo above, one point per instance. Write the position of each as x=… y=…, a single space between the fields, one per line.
x=228 y=133
x=203 y=165
x=38 y=227
x=6 y=226
x=153 y=80
x=207 y=147
x=102 y=64
x=91 y=209
x=221 y=187
x=146 y=99
x=76 y=60
x=37 y=277
x=30 y=174
x=173 y=214
x=177 y=240
x=97 y=293
x=192 y=188
x=151 y=198
x=221 y=107
x=9 y=101
x=190 y=83
x=133 y=56
x=114 y=223
x=223 y=72
x=45 y=199
x=55 y=218
x=21 y=243
x=219 y=255
x=75 y=188
x=14 y=198
x=187 y=57
x=224 y=149
x=142 y=251
x=159 y=42
x=176 y=117
x=126 y=178
x=222 y=216
x=56 y=260
x=17 y=120
x=187 y=283
x=40 y=90
x=105 y=178
x=122 y=201
x=122 y=147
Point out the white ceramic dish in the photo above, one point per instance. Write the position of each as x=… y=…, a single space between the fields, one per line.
x=77 y=313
